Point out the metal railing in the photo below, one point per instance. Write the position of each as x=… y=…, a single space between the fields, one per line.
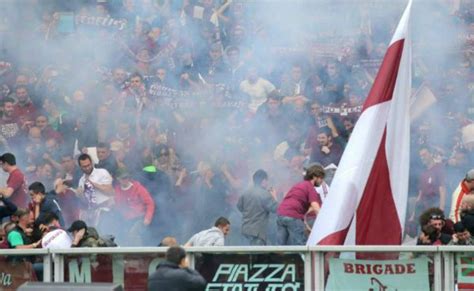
x=313 y=257
x=47 y=264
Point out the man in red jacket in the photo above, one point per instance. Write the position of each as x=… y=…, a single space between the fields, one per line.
x=135 y=205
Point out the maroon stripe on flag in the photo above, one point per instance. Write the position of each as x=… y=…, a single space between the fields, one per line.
x=377 y=221
x=335 y=238
x=382 y=89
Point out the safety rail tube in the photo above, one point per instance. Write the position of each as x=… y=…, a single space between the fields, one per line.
x=24 y=252
x=314 y=258
x=375 y=249
x=47 y=263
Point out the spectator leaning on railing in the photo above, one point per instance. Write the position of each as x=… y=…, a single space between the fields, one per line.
x=301 y=199
x=85 y=236
x=20 y=236
x=461 y=236
x=433 y=223
x=54 y=237
x=214 y=236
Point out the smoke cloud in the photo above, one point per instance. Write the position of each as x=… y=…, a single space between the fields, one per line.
x=79 y=59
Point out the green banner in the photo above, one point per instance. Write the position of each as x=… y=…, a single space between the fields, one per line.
x=465 y=268
x=378 y=275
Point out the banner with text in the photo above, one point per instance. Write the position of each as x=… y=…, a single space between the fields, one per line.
x=378 y=275
x=14 y=272
x=222 y=271
x=252 y=272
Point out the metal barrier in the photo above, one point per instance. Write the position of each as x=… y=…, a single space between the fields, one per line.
x=449 y=254
x=47 y=264
x=313 y=258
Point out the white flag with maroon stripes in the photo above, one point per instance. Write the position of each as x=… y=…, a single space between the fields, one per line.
x=366 y=204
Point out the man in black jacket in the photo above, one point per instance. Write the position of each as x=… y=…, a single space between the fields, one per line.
x=43 y=202
x=174 y=274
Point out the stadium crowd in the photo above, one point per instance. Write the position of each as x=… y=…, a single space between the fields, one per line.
x=151 y=119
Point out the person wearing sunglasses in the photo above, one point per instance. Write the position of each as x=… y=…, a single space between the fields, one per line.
x=435 y=220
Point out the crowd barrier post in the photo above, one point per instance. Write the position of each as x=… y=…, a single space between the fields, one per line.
x=58 y=267
x=438 y=272
x=448 y=270
x=318 y=264
x=308 y=267
x=47 y=268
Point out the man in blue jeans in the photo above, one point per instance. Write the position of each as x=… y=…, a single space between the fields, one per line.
x=301 y=198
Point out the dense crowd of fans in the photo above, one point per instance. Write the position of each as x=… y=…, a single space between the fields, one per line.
x=151 y=120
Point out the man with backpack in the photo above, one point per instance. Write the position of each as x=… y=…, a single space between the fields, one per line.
x=88 y=237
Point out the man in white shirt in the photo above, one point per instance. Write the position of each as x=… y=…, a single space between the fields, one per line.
x=213 y=236
x=96 y=188
x=256 y=88
x=54 y=237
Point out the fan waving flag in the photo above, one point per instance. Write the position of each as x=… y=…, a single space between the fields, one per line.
x=367 y=201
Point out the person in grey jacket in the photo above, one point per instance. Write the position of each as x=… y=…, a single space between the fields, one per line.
x=256 y=204
x=174 y=274
x=213 y=236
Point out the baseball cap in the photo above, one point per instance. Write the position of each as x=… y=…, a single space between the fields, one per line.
x=8 y=158
x=470 y=175
x=77 y=225
x=149 y=169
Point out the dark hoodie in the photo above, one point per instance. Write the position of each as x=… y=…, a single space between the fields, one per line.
x=50 y=205
x=467 y=218
x=7 y=209
x=170 y=277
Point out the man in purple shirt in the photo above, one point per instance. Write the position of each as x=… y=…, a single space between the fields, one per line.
x=329 y=150
x=301 y=198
